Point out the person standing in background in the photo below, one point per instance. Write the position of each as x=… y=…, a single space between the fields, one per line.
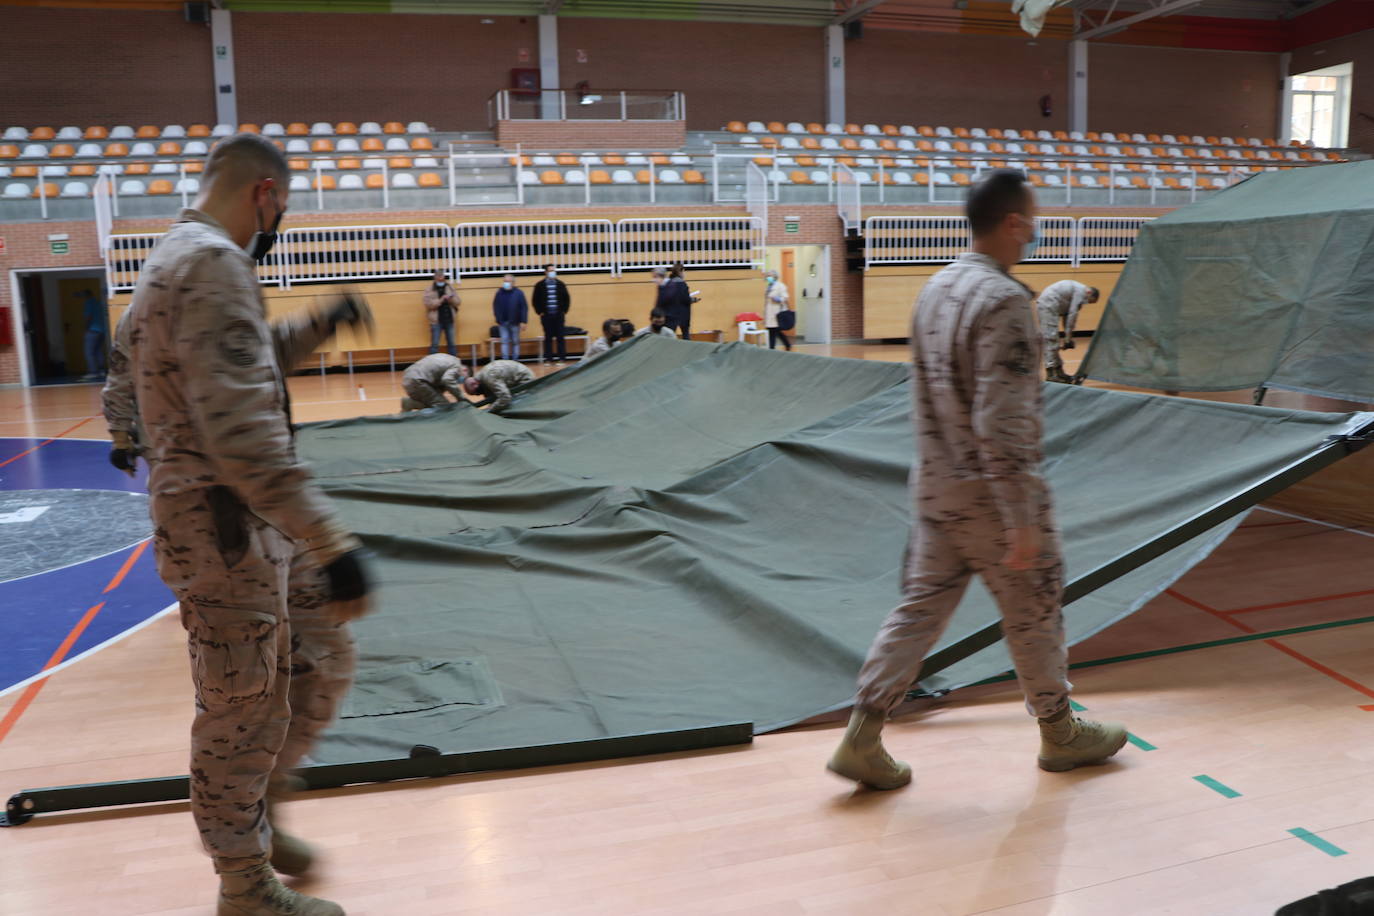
x=97 y=329
x=1061 y=301
x=441 y=306
x=673 y=300
x=683 y=297
x=775 y=299
x=511 y=312
x=552 y=304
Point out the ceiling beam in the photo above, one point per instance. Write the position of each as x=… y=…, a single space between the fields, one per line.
x=854 y=12
x=1160 y=9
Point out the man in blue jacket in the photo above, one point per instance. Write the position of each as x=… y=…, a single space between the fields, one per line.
x=511 y=312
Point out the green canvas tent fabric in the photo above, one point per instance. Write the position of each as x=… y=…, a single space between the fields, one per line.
x=1267 y=284
x=681 y=534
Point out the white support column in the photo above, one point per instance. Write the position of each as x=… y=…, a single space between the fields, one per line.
x=226 y=92
x=1078 y=85
x=834 y=74
x=1284 y=129
x=548 y=66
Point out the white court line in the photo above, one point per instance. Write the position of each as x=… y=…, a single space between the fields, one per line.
x=296 y=402
x=43 y=675
x=1316 y=521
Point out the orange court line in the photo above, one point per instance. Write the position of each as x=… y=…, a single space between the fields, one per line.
x=1294 y=653
x=31 y=691
x=1279 y=604
x=46 y=441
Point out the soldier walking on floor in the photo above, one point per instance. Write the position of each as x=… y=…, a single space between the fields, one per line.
x=979 y=504
x=266 y=575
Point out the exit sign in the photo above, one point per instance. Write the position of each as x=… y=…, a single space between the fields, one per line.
x=59 y=247
x=791 y=228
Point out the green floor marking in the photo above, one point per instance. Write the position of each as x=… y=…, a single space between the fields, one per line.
x=1307 y=836
x=1215 y=786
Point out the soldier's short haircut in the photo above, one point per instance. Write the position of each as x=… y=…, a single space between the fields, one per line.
x=658 y=313
x=243 y=159
x=994 y=196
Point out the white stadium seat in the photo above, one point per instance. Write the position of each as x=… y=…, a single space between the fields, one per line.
x=677 y=159
x=863 y=178
x=867 y=162
x=110 y=168
x=351 y=182
x=784 y=160
x=221 y=130
x=16 y=133
x=529 y=176
x=300 y=183
x=347 y=145
x=942 y=179
x=397 y=145
x=906 y=144
x=297 y=145
x=189 y=185
x=873 y=130
x=164 y=168
x=69 y=133
x=756 y=127
x=417 y=127
x=748 y=141
x=322 y=129
x=795 y=127
x=1054 y=181
x=173 y=132
x=906 y=130
x=544 y=161
x=944 y=146
x=324 y=165
x=122 y=132
x=1076 y=135
x=670 y=176
x=195 y=148
x=1198 y=140
x=76 y=189
x=577 y=176
x=779 y=177
x=17 y=188
x=790 y=143
x=131 y=187
x=906 y=162
x=1168 y=138
x=143 y=149
x=88 y=150
x=53 y=171
x=1015 y=149
x=829 y=143
x=978 y=146
x=979 y=133
x=426 y=162
x=820 y=176
x=34 y=151
x=1123 y=181
x=868 y=143
x=943 y=132
x=372 y=162
x=273 y=130
x=901 y=177
x=1043 y=135
x=369 y=128
x=1139 y=138
x=589 y=159
x=636 y=159
x=402 y=180
x=623 y=176
x=1109 y=137
x=833 y=128
x=5 y=171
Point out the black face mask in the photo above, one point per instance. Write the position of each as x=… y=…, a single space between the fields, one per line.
x=262 y=241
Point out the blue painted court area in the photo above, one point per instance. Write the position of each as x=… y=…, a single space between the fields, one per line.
x=77 y=550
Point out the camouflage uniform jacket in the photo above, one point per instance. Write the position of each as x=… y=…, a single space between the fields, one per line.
x=439 y=370
x=499 y=377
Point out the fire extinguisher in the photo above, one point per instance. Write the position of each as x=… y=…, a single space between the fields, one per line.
x=6 y=328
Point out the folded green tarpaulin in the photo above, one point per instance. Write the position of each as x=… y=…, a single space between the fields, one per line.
x=680 y=534
x=1267 y=284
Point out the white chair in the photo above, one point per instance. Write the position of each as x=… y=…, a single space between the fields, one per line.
x=748 y=141
x=372 y=162
x=1123 y=181
x=979 y=133
x=53 y=171
x=1220 y=183
x=402 y=180
x=676 y=159
x=820 y=176
x=906 y=130
x=131 y=187
x=902 y=177
x=942 y=179
x=833 y=128
x=756 y=127
x=863 y=178
x=1089 y=181
x=76 y=189
x=17 y=188
x=789 y=143
x=622 y=176
x=906 y=145
x=1156 y=182
x=173 y=132
x=1054 y=181
x=322 y=129
x=795 y=127
x=1109 y=137
x=577 y=176
x=1080 y=150
x=868 y=143
x=397 y=145
x=122 y=132
x=784 y=161
x=324 y=165
x=110 y=168
x=88 y=151
x=873 y=130
x=1076 y=135
x=829 y=143
x=1112 y=150
x=347 y=145
x=16 y=133
x=636 y=159
x=779 y=177
x=589 y=159
x=978 y=146
x=669 y=176
x=195 y=148
x=1015 y=148
x=1168 y=138
x=189 y=185
x=906 y=162
x=1234 y=154
x=417 y=127
x=69 y=133
x=544 y=161
x=943 y=132
x=34 y=151
x=300 y=183
x=1174 y=152
x=751 y=329
x=943 y=164
x=1043 y=135
x=143 y=149
x=369 y=128
x=426 y=162
x=1204 y=154
x=867 y=162
x=1139 y=138
x=4 y=171
x=273 y=129
x=297 y=145
x=351 y=182
x=220 y=130
x=164 y=168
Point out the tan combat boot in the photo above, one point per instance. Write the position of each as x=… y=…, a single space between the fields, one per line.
x=409 y=403
x=862 y=757
x=290 y=854
x=257 y=892
x=1067 y=741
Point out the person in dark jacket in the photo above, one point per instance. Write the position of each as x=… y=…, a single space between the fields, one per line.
x=674 y=301
x=511 y=312
x=552 y=304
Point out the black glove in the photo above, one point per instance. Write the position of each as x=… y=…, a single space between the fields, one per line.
x=351 y=309
x=124 y=459
x=348 y=578
x=1068 y=344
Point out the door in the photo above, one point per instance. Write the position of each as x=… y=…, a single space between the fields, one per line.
x=36 y=326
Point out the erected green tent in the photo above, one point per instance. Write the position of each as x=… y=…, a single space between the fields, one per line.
x=1269 y=284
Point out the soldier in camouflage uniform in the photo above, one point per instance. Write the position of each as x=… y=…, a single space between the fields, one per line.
x=426 y=380
x=1060 y=302
x=979 y=504
x=266 y=575
x=497 y=379
x=118 y=404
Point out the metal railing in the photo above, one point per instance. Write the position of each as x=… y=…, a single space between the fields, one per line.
x=586 y=105
x=519 y=247
x=756 y=192
x=127 y=252
x=311 y=254
x=941 y=239
x=848 y=197
x=707 y=241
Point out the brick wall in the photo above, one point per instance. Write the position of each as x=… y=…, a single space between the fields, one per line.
x=955 y=80
x=570 y=135
x=729 y=71
x=360 y=67
x=1168 y=90
x=85 y=66
x=1357 y=49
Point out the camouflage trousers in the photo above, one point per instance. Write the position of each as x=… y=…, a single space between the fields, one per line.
x=268 y=665
x=1049 y=336
x=942 y=556
x=422 y=391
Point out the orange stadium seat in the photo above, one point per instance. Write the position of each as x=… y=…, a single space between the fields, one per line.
x=770 y=142
x=660 y=159
x=42 y=133
x=962 y=179
x=25 y=171
x=551 y=176
x=138 y=168
x=373 y=145
x=195 y=167
x=82 y=171
x=116 y=149
x=297 y=129
x=599 y=176
x=160 y=186
x=169 y=148
x=800 y=177
x=148 y=132
x=962 y=132
x=525 y=161
x=1211 y=141
x=324 y=183
x=961 y=146
x=66 y=151
x=322 y=145
x=890 y=130
x=887 y=162
x=393 y=127
x=96 y=133
x=346 y=128
x=810 y=143
x=692 y=176
x=888 y=144
x=849 y=143
x=923 y=178
x=776 y=127
x=350 y=164
x=400 y=162
x=925 y=130
x=814 y=128
x=1152 y=138
x=763 y=161
x=249 y=129
x=431 y=180
x=736 y=127
x=375 y=181
x=846 y=160
x=613 y=159
x=566 y=159
x=421 y=143
x=997 y=147
x=808 y=161
x=299 y=165
x=853 y=129
x=995 y=133
x=198 y=131
x=49 y=190
x=1061 y=135
x=279 y=145
x=642 y=176
x=925 y=146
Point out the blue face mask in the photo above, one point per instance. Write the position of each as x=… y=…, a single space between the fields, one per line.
x=507 y=285
x=771 y=280
x=1028 y=249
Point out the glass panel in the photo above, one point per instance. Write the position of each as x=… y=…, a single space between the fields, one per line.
x=1323 y=119
x=1300 y=123
x=1318 y=83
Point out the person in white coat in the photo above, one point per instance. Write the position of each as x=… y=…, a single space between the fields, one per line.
x=775 y=300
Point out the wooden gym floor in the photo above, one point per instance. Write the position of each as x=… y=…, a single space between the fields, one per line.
x=1245 y=785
